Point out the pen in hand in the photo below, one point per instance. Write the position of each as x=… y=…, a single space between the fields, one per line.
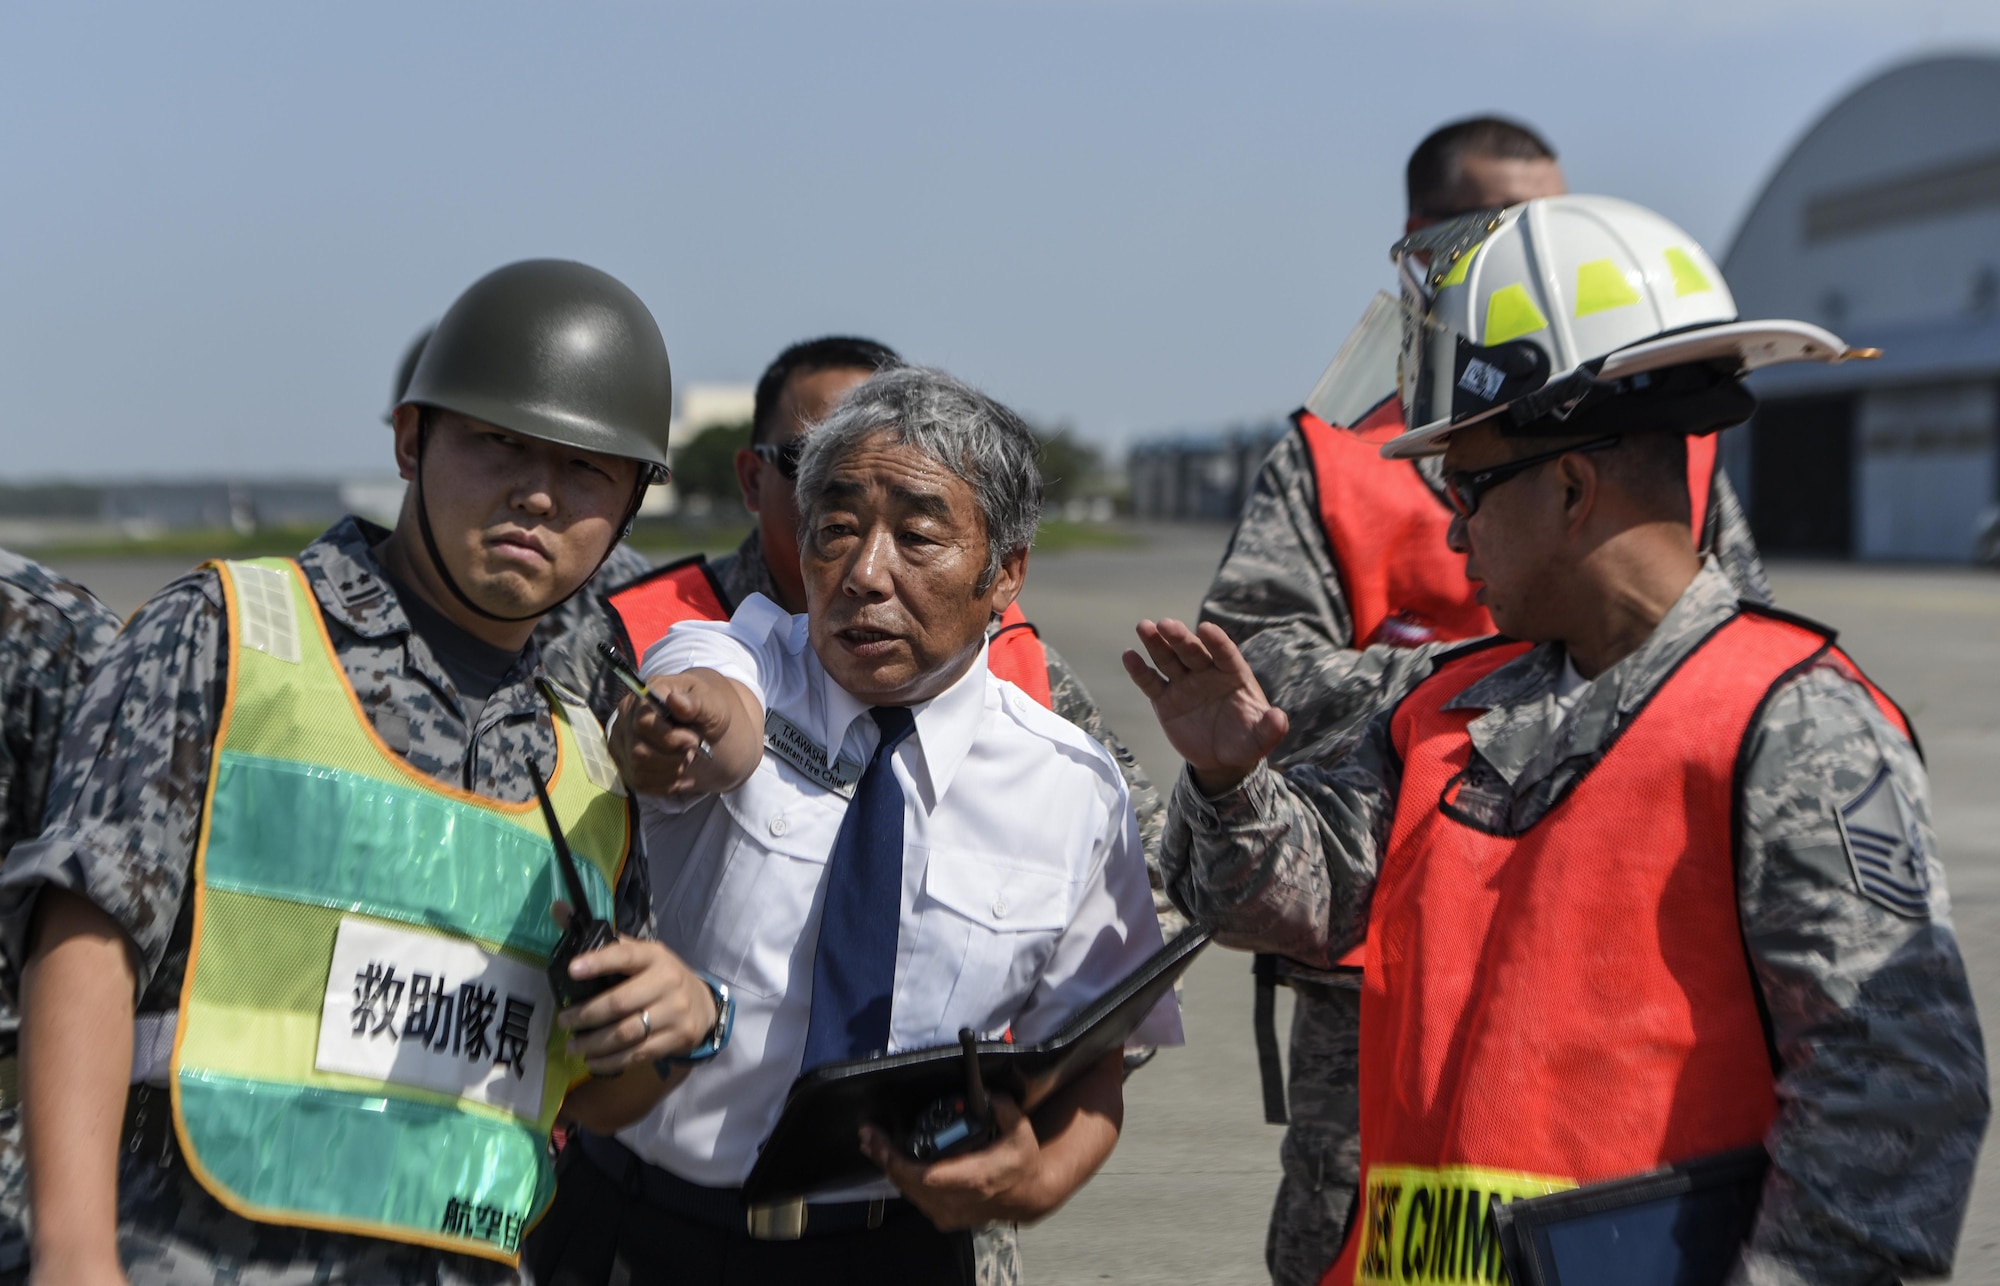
x=626 y=675
x=630 y=678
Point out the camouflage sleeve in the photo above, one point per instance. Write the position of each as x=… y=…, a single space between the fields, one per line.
x=125 y=796
x=52 y=632
x=1278 y=597
x=1073 y=702
x=1286 y=863
x=1882 y=1086
x=1726 y=534
x=569 y=636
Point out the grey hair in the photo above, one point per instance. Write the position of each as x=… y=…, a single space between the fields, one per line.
x=956 y=425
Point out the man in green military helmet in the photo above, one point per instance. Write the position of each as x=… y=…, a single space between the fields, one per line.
x=293 y=911
x=569 y=636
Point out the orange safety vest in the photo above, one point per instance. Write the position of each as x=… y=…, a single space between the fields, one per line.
x=1015 y=653
x=1572 y=1003
x=648 y=607
x=1386 y=530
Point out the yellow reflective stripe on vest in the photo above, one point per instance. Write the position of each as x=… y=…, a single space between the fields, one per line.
x=320 y=850
x=1422 y=1224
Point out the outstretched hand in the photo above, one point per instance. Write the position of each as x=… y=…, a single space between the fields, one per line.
x=1208 y=703
x=704 y=742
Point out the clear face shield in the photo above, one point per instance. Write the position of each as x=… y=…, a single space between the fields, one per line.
x=1426 y=261
x=1383 y=356
x=1446 y=378
x=1362 y=375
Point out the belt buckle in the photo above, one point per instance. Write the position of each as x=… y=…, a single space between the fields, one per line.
x=778 y=1220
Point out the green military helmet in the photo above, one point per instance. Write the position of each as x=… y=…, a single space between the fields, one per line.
x=556 y=350
x=404 y=370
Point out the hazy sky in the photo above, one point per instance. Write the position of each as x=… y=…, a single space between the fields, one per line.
x=222 y=222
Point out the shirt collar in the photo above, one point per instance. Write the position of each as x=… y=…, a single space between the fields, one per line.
x=946 y=725
x=1518 y=733
x=347 y=579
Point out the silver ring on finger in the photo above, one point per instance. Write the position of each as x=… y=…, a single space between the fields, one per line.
x=645 y=1022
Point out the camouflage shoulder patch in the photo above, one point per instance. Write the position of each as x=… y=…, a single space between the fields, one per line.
x=1883 y=848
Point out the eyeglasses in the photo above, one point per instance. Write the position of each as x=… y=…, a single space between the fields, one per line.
x=782 y=456
x=1464 y=490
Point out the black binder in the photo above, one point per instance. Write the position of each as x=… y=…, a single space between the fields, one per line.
x=816 y=1143
x=1681 y=1226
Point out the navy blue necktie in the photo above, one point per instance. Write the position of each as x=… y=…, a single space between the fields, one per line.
x=854 y=962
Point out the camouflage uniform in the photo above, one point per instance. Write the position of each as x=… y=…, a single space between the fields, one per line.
x=1882 y=1092
x=569 y=635
x=1279 y=598
x=52 y=632
x=997 y=1250
x=124 y=813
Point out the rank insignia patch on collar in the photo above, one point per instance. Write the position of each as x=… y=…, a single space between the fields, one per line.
x=1882 y=846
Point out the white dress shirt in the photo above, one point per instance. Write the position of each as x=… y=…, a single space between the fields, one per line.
x=1024 y=885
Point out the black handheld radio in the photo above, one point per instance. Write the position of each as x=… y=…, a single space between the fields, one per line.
x=954 y=1125
x=586 y=933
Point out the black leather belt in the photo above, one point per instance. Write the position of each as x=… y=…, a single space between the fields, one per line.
x=724 y=1208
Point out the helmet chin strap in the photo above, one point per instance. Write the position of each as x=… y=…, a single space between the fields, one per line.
x=444 y=573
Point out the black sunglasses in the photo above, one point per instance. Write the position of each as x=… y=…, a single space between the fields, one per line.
x=784 y=456
x=1463 y=490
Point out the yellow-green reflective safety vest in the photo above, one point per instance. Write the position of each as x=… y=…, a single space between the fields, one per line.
x=364 y=1041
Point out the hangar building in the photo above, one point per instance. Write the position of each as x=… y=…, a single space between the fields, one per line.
x=1883 y=224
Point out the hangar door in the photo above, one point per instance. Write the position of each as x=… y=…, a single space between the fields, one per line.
x=1926 y=471
x=1802 y=476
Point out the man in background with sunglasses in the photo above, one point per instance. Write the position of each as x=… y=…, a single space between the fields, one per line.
x=1652 y=885
x=1338 y=549
x=799 y=389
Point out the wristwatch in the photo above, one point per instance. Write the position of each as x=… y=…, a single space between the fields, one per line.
x=718 y=1036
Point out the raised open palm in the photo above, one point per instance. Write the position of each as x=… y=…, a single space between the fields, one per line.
x=1208 y=703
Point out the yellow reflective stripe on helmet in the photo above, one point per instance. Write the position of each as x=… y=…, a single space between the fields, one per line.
x=1510 y=314
x=1456 y=277
x=1689 y=279
x=1601 y=286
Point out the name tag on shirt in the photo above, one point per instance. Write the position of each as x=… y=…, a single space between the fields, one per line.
x=435 y=1013
x=790 y=743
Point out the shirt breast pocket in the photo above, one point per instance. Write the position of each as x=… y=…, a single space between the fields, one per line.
x=987 y=929
x=740 y=911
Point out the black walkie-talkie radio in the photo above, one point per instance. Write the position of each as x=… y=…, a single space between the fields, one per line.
x=586 y=933
x=954 y=1125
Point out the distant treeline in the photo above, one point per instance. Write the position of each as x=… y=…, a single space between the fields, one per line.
x=50 y=500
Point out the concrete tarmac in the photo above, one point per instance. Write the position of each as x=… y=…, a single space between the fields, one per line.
x=1186 y=1196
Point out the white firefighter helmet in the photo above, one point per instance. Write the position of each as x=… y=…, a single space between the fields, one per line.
x=1529 y=310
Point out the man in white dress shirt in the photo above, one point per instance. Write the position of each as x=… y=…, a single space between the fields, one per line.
x=871 y=842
